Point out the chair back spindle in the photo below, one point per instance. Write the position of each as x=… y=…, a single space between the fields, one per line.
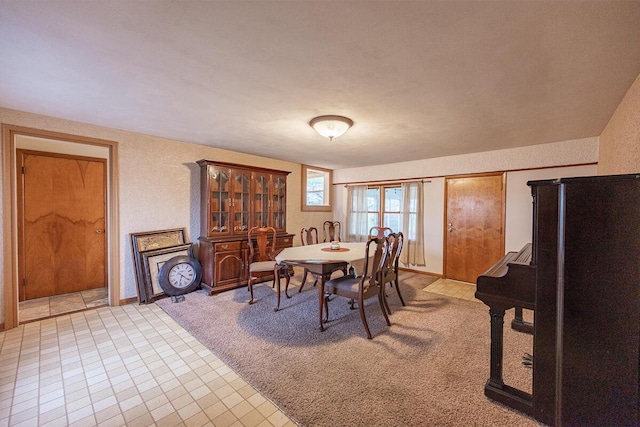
x=378 y=263
x=309 y=236
x=379 y=232
x=391 y=270
x=265 y=244
x=261 y=262
x=331 y=231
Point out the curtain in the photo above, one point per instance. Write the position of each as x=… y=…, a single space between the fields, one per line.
x=357 y=223
x=413 y=224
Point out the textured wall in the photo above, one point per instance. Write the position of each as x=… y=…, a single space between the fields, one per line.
x=620 y=140
x=159 y=183
x=563 y=153
x=519 y=212
x=534 y=162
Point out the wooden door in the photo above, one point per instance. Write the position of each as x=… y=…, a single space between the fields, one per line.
x=474 y=234
x=61 y=224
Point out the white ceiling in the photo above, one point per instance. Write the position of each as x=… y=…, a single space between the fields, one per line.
x=420 y=79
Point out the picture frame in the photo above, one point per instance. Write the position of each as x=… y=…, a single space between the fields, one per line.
x=158 y=239
x=152 y=261
x=151 y=240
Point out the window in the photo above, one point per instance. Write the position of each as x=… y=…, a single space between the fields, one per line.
x=373 y=207
x=396 y=206
x=392 y=217
x=316 y=189
x=383 y=209
x=390 y=198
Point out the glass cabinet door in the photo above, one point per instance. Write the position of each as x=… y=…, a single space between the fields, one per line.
x=219 y=203
x=260 y=200
x=241 y=200
x=279 y=203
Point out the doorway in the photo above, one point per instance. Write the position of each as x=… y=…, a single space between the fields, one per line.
x=61 y=233
x=474 y=225
x=15 y=138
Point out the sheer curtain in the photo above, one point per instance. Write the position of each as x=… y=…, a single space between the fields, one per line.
x=412 y=221
x=357 y=223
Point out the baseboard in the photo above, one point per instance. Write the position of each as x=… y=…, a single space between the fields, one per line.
x=128 y=301
x=426 y=273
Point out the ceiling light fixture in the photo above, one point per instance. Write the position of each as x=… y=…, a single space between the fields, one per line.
x=331 y=126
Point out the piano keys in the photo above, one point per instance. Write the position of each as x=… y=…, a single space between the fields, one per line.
x=583 y=282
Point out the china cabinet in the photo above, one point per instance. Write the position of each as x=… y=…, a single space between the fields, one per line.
x=233 y=199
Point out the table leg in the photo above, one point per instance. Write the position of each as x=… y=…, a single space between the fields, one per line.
x=286 y=270
x=321 y=299
x=276 y=275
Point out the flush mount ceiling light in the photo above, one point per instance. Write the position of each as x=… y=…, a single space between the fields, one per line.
x=331 y=126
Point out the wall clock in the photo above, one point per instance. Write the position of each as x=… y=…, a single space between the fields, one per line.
x=180 y=275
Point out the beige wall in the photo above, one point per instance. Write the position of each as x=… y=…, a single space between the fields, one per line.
x=620 y=140
x=542 y=161
x=159 y=184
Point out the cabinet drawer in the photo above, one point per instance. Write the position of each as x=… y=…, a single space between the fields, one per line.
x=227 y=246
x=284 y=242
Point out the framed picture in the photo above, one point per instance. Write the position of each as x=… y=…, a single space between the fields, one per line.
x=159 y=239
x=151 y=263
x=151 y=240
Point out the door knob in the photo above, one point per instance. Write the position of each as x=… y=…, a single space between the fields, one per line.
x=99 y=231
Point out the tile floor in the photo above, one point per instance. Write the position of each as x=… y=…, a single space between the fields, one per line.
x=41 y=308
x=115 y=366
x=453 y=288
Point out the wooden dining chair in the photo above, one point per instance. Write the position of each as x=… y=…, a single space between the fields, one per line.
x=261 y=265
x=370 y=283
x=331 y=231
x=396 y=241
x=379 y=232
x=308 y=236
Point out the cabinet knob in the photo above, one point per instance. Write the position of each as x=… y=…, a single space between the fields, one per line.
x=225 y=246
x=286 y=240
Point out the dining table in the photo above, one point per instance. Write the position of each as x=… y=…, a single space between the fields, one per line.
x=322 y=260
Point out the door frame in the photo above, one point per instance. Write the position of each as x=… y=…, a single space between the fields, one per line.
x=21 y=206
x=10 y=214
x=503 y=174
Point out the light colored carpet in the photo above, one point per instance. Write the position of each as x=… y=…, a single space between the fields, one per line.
x=428 y=368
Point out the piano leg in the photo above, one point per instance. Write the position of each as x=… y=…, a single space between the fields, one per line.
x=518 y=324
x=495 y=388
x=497 y=325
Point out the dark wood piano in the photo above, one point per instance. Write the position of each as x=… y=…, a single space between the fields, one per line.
x=581 y=276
